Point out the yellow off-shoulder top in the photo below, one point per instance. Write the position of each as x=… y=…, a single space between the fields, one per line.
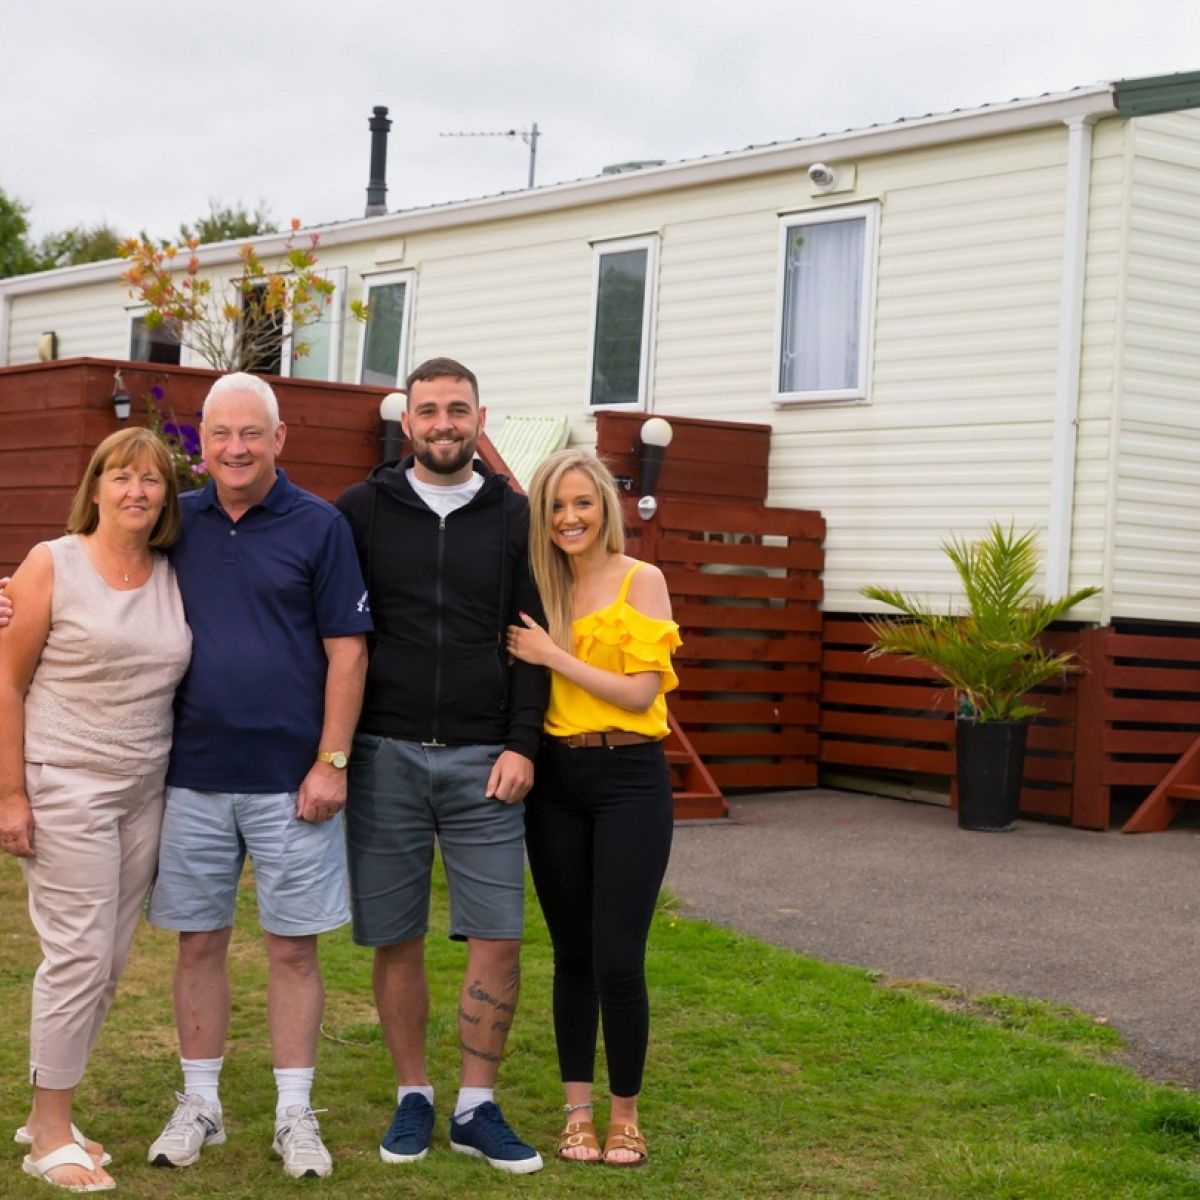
x=616 y=638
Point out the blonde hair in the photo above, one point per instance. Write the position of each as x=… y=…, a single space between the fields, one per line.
x=121 y=449
x=550 y=566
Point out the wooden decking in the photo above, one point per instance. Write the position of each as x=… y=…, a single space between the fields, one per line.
x=745 y=582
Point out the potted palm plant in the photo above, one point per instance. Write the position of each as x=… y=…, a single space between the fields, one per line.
x=990 y=656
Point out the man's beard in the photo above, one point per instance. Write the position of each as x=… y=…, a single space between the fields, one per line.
x=424 y=454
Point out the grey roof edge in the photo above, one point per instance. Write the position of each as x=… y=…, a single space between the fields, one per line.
x=1157 y=94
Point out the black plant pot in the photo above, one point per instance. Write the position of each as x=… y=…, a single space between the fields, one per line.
x=990 y=758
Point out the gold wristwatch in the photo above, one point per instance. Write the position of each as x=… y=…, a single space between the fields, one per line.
x=335 y=758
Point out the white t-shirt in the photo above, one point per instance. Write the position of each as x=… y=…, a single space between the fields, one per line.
x=445 y=498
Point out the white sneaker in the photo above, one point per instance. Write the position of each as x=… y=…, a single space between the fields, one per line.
x=298 y=1143
x=194 y=1125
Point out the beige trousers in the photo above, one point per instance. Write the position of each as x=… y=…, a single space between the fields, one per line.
x=95 y=842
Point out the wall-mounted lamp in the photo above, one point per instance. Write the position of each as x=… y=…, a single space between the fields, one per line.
x=47 y=347
x=656 y=436
x=391 y=434
x=122 y=401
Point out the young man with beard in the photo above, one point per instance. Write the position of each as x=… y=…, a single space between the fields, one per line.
x=444 y=751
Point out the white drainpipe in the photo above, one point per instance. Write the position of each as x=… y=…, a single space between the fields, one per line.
x=1070 y=352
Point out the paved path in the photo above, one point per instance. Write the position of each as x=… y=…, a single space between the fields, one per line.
x=1104 y=921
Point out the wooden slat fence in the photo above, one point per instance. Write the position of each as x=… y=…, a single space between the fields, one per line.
x=891 y=719
x=1139 y=710
x=745 y=583
x=52 y=415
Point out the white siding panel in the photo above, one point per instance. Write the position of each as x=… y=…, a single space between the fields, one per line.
x=1156 y=550
x=88 y=320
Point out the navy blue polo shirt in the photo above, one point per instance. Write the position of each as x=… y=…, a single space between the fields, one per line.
x=259 y=594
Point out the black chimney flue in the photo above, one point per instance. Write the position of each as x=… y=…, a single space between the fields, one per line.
x=377 y=187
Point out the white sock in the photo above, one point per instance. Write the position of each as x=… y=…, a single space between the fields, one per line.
x=469 y=1099
x=408 y=1089
x=201 y=1077
x=295 y=1087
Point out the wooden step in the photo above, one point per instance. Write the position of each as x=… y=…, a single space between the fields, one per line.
x=1177 y=787
x=697 y=806
x=694 y=793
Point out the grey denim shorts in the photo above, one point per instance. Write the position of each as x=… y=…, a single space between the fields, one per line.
x=299 y=866
x=402 y=796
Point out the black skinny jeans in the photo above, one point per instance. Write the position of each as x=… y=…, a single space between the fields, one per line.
x=598 y=826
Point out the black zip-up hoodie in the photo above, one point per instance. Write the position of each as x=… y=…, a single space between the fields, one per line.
x=441 y=593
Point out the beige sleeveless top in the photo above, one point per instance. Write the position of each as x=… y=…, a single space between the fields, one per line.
x=102 y=693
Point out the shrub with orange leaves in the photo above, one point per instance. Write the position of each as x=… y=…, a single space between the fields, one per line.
x=247 y=323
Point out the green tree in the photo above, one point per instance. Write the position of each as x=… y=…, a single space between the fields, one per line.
x=16 y=254
x=79 y=244
x=224 y=223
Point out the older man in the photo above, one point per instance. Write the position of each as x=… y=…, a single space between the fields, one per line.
x=444 y=750
x=263 y=725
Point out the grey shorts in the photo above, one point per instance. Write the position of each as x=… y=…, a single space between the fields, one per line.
x=299 y=867
x=403 y=795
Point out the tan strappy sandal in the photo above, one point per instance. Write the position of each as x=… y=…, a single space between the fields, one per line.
x=578 y=1134
x=625 y=1137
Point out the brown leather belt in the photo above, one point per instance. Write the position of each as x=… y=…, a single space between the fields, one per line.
x=595 y=741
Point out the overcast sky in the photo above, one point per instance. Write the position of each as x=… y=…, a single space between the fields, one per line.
x=138 y=113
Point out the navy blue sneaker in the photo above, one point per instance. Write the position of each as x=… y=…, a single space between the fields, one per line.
x=408 y=1138
x=488 y=1135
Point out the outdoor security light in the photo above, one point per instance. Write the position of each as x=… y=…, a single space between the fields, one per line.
x=656 y=436
x=122 y=401
x=391 y=432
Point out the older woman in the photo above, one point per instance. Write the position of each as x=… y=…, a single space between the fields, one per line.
x=598 y=820
x=88 y=669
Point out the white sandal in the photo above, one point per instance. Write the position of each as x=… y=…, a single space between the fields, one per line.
x=24 y=1138
x=72 y=1154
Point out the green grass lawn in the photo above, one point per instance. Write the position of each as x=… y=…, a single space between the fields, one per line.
x=770 y=1075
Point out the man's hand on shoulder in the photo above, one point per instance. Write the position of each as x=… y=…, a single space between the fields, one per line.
x=322 y=794
x=511 y=778
x=5 y=603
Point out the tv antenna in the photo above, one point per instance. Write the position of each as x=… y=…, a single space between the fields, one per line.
x=528 y=136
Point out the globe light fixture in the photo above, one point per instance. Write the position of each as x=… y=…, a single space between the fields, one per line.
x=391 y=435
x=656 y=435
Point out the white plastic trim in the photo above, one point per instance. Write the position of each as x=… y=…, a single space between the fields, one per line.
x=1070 y=353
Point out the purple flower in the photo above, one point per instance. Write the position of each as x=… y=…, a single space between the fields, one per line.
x=156 y=392
x=186 y=435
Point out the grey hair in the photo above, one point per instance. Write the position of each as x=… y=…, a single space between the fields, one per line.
x=241 y=381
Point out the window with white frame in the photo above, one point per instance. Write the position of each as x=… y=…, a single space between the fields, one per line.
x=321 y=339
x=827 y=304
x=383 y=349
x=151 y=345
x=624 y=277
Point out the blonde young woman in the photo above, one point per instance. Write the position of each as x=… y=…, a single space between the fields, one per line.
x=599 y=818
x=88 y=669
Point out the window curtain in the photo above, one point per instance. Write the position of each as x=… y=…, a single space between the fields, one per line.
x=822 y=306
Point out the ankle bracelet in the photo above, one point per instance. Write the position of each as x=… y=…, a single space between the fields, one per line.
x=570 y=1108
